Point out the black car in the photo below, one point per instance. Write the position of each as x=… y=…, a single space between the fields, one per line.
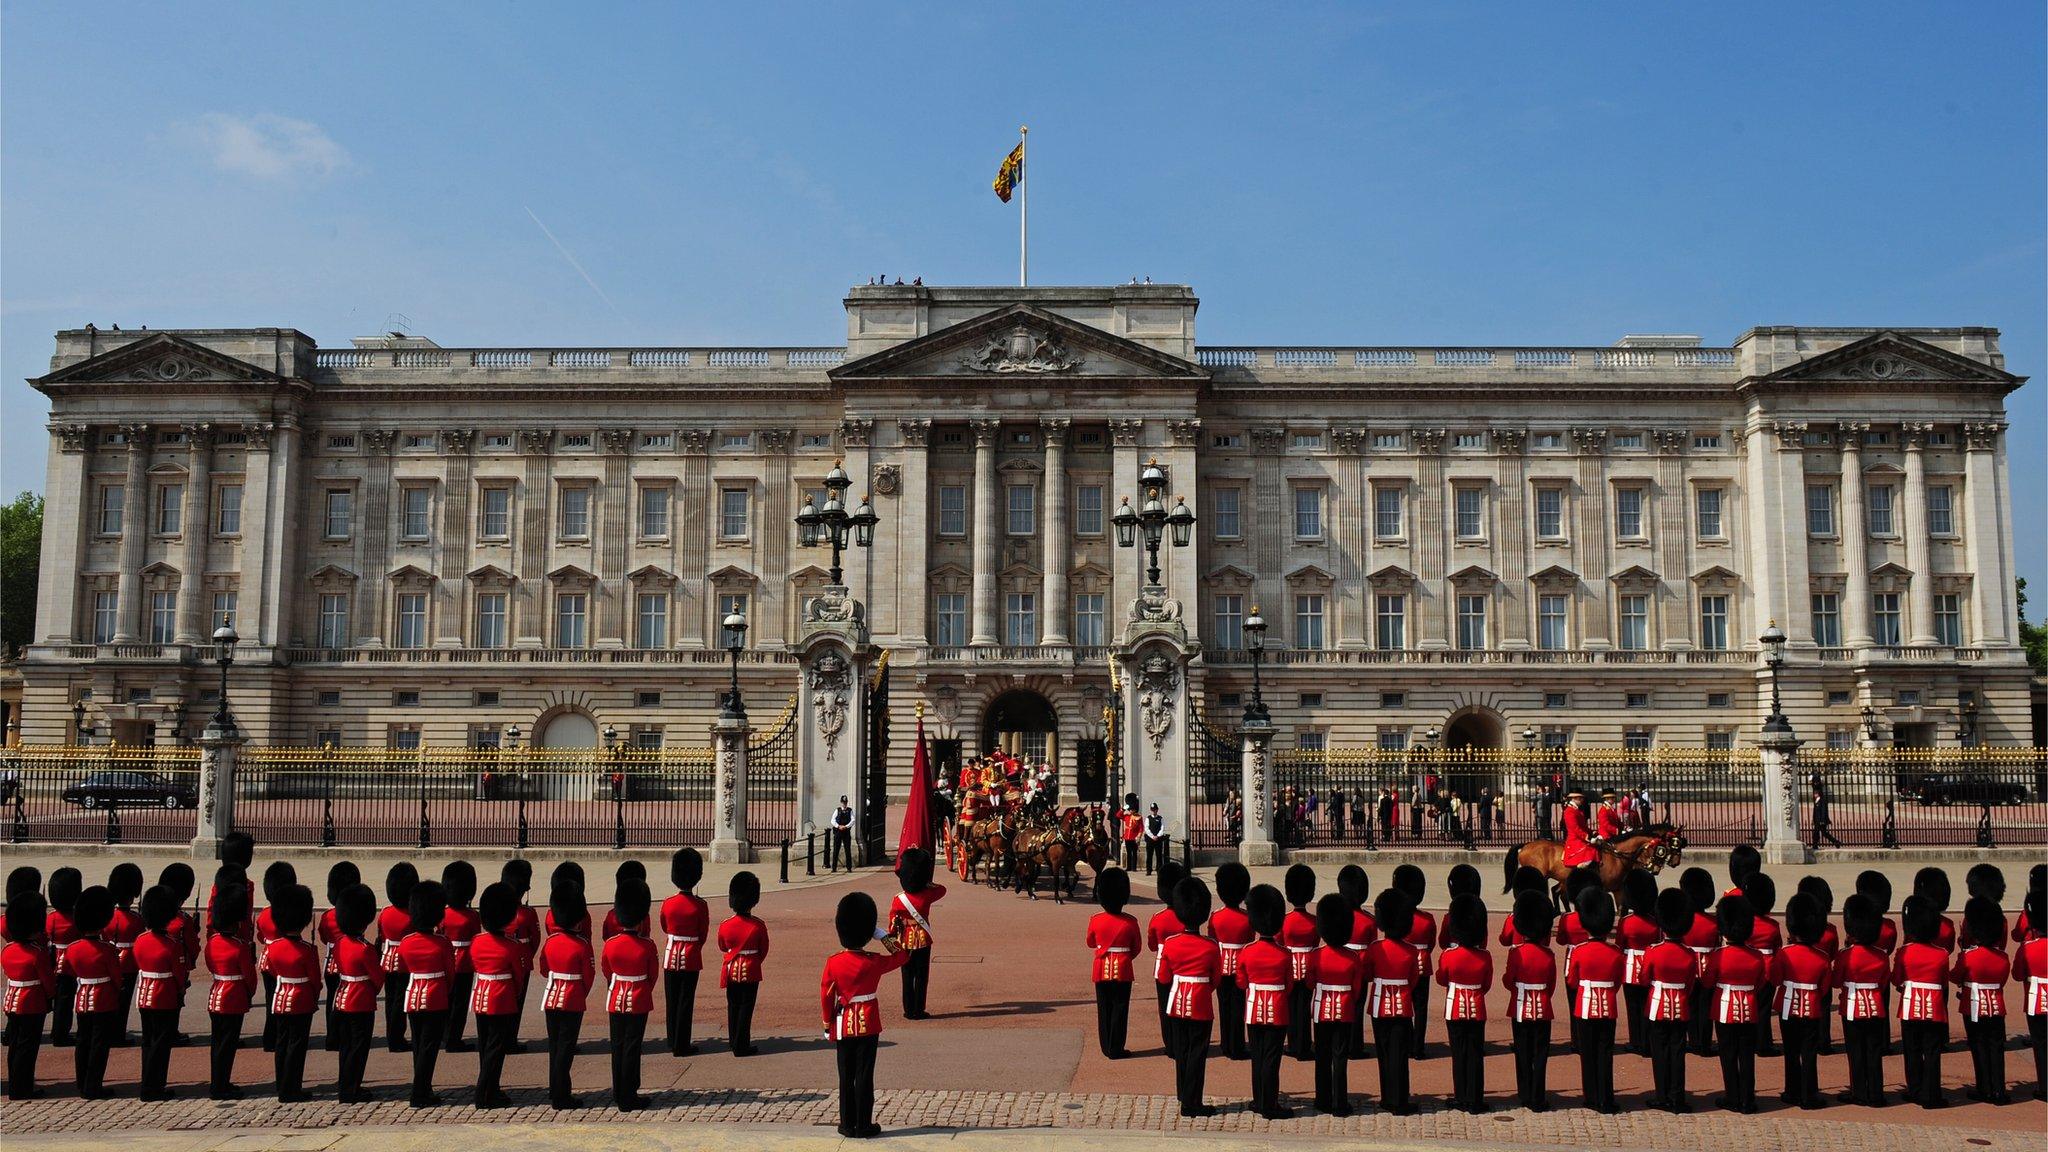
x=132 y=790
x=1948 y=788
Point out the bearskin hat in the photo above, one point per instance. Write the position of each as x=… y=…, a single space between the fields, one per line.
x=685 y=869
x=1463 y=881
x=1113 y=889
x=2036 y=907
x=1985 y=880
x=95 y=908
x=569 y=907
x=1862 y=919
x=517 y=874
x=23 y=879
x=292 y=909
x=458 y=883
x=179 y=878
x=1354 y=886
x=1412 y=883
x=26 y=913
x=1580 y=880
x=631 y=901
x=1804 y=921
x=1532 y=916
x=1823 y=894
x=1983 y=923
x=238 y=848
x=1698 y=886
x=1743 y=862
x=2037 y=879
x=1191 y=903
x=343 y=876
x=1932 y=883
x=278 y=875
x=230 y=876
x=855 y=920
x=1465 y=923
x=159 y=908
x=230 y=909
x=124 y=883
x=1395 y=911
x=427 y=906
x=628 y=870
x=1920 y=920
x=1639 y=892
x=1267 y=909
x=1596 y=912
x=399 y=883
x=1876 y=885
x=1674 y=913
x=1300 y=885
x=914 y=869
x=567 y=872
x=1333 y=920
x=497 y=906
x=355 y=908
x=742 y=893
x=1171 y=873
x=1735 y=918
x=1527 y=879
x=1233 y=880
x=1762 y=893
x=65 y=885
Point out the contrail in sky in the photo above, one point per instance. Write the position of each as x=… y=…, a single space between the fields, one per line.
x=571 y=258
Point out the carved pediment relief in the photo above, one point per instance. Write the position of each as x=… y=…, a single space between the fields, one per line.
x=1020 y=342
x=652 y=576
x=1635 y=578
x=1892 y=361
x=569 y=575
x=411 y=576
x=1310 y=575
x=1392 y=578
x=490 y=575
x=1231 y=577
x=158 y=359
x=1556 y=578
x=1716 y=578
x=732 y=576
x=1474 y=576
x=331 y=575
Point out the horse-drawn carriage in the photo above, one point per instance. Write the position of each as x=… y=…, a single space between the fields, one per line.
x=1010 y=833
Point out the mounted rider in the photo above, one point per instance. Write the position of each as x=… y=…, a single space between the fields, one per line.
x=1579 y=845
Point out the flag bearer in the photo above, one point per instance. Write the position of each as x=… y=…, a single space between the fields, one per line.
x=1193 y=964
x=743 y=939
x=1531 y=977
x=1800 y=972
x=1668 y=977
x=566 y=968
x=851 y=1007
x=1465 y=972
x=630 y=963
x=1114 y=935
x=910 y=922
x=1861 y=972
x=1265 y=972
x=1980 y=973
x=685 y=922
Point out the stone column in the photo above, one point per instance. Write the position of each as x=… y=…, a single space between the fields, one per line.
x=1428 y=624
x=64 y=536
x=1779 y=752
x=729 y=843
x=985 y=628
x=1853 y=532
x=1919 y=594
x=831 y=716
x=193 y=620
x=1154 y=658
x=277 y=521
x=611 y=607
x=1981 y=535
x=1512 y=519
x=912 y=535
x=373 y=539
x=1056 y=605
x=1257 y=848
x=455 y=538
x=1593 y=538
x=218 y=749
x=134 y=531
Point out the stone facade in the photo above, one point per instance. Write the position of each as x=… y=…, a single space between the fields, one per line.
x=434 y=544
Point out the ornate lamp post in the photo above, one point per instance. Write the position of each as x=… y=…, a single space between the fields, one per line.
x=1966 y=724
x=1872 y=720
x=1778 y=748
x=1155 y=520
x=735 y=642
x=225 y=639
x=833 y=524
x=1773 y=641
x=78 y=723
x=1255 y=640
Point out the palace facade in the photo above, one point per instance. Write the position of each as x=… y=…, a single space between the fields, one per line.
x=1476 y=545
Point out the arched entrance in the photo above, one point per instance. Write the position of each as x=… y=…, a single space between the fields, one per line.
x=1022 y=723
x=1472 y=739
x=1474 y=728
x=565 y=731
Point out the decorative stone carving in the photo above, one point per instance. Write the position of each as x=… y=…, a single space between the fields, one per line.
x=1884 y=368
x=1852 y=434
x=1591 y=441
x=1915 y=435
x=830 y=682
x=1982 y=437
x=985 y=432
x=1427 y=441
x=379 y=440
x=74 y=437
x=1184 y=433
x=1055 y=430
x=173 y=368
x=1024 y=349
x=694 y=441
x=457 y=441
x=946 y=702
x=1158 y=681
x=915 y=433
x=728 y=791
x=855 y=433
x=1126 y=433
x=137 y=436
x=1670 y=441
x=1256 y=802
x=1791 y=434
x=616 y=441
x=536 y=441
x=833 y=605
x=198 y=437
x=775 y=439
x=1350 y=441
x=260 y=436
x=888 y=479
x=1510 y=441
x=1154 y=606
x=1268 y=439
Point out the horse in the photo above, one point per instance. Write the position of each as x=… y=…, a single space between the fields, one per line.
x=1651 y=849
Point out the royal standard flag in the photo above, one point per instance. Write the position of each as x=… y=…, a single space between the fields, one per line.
x=1010 y=174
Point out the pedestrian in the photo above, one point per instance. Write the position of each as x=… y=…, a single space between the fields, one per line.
x=629 y=965
x=1701 y=940
x=1822 y=818
x=1500 y=812
x=1232 y=931
x=1543 y=804
x=1155 y=838
x=1736 y=974
x=1356 y=888
x=1466 y=975
x=567 y=968
x=1486 y=813
x=426 y=959
x=459 y=928
x=1861 y=970
x=1415 y=804
x=31 y=981
x=1392 y=965
x=1311 y=805
x=1980 y=972
x=61 y=931
x=392 y=925
x=1636 y=934
x=160 y=979
x=1385 y=809
x=1114 y=936
x=1766 y=940
x=1265 y=973
x=1668 y=973
x=685 y=922
x=1338 y=978
x=341 y=876
x=499 y=961
x=124 y=883
x=1645 y=807
x=296 y=966
x=1194 y=964
x=1163 y=926
x=2030 y=970
x=743 y=941
x=96 y=968
x=1336 y=814
x=1530 y=974
x=1800 y=972
x=839 y=842
x=1592 y=977
x=848 y=995
x=1300 y=935
x=1422 y=934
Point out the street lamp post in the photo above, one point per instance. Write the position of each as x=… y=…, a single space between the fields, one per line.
x=735 y=641
x=224 y=639
x=518 y=782
x=1773 y=641
x=1155 y=520
x=1255 y=640
x=1778 y=750
x=78 y=724
x=833 y=524
x=618 y=755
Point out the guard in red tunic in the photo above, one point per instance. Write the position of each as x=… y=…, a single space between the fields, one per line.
x=1636 y=934
x=359 y=976
x=1701 y=940
x=1862 y=972
x=1592 y=978
x=1668 y=980
x=1830 y=946
x=1337 y=986
x=392 y=925
x=1766 y=938
x=341 y=877
x=296 y=965
x=1390 y=998
x=1465 y=973
x=279 y=876
x=743 y=941
x=1356 y=888
x=125 y=884
x=22 y=879
x=459 y=928
x=1800 y=972
x=1523 y=879
x=2030 y=971
x=517 y=875
x=630 y=964
x=1114 y=936
x=685 y=922
x=59 y=928
x=567 y=968
x=1920 y=972
x=566 y=874
x=1422 y=934
x=231 y=960
x=1232 y=930
x=159 y=984
x=1265 y=972
x=178 y=879
x=499 y=962
x=1736 y=974
x=850 y=1007
x=427 y=962
x=1193 y=965
x=1980 y=972
x=1530 y=974
x=1299 y=935
x=635 y=872
x=1877 y=887
x=1931 y=884
x=1569 y=934
x=31 y=982
x=910 y=921
x=96 y=968
x=1163 y=926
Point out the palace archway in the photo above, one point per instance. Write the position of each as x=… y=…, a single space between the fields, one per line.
x=1474 y=728
x=1022 y=723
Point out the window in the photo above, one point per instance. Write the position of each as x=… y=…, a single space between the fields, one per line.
x=949 y=620
x=1816 y=439
x=736 y=440
x=498 y=440
x=111 y=501
x=1088 y=510
x=1390 y=622
x=650 y=629
x=658 y=440
x=732 y=514
x=1019 y=436
x=1877 y=439
x=1906 y=697
x=1088 y=632
x=572 y=619
x=1941 y=518
x=163 y=617
x=1471 y=622
x=646 y=699
x=1633 y=613
x=1550 y=513
x=1225 y=513
x=1827 y=619
x=223 y=611
x=1469 y=440
x=1308 y=513
x=412 y=620
x=1637 y=699
x=1310 y=740
x=575 y=439
x=170 y=509
x=407 y=698
x=327 y=738
x=494 y=517
x=1309 y=700
x=1628 y=439
x=1820 y=510
x=1556 y=700
x=1547 y=440
x=1308 y=621
x=1307 y=440
x=1841 y=739
x=1636 y=740
x=1393 y=739
x=1628 y=513
x=340 y=519
x=330 y=698
x=106 y=615
x=418 y=440
x=1230 y=621
x=1390 y=440
x=1094 y=436
x=1880 y=510
x=729 y=603
x=1386 y=511
x=1550 y=622
x=952 y=510
x=1837 y=697
x=1022 y=503
x=345 y=442
x=1020 y=618
x=1471 y=504
x=227 y=517
x=654 y=513
x=647 y=739
x=1229 y=699
x=1719 y=699
x=414 y=505
x=1948 y=619
x=1721 y=740
x=1706 y=440
x=575 y=513
x=1884 y=618
x=333 y=631
x=1707 y=513
x=490 y=619
x=402 y=738
x=1393 y=699
x=1714 y=623
x=1227 y=440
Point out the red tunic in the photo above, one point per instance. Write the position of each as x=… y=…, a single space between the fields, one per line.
x=184 y=931
x=1887 y=936
x=98 y=968
x=1568 y=934
x=1163 y=926
x=1668 y=970
x=1364 y=930
x=549 y=927
x=910 y=915
x=1577 y=849
x=847 y=999
x=1830 y=941
x=525 y=928
x=1466 y=976
x=1766 y=937
x=1607 y=822
x=1392 y=966
x=1531 y=977
x=744 y=941
x=1922 y=971
x=500 y=963
x=1299 y=935
x=1232 y=930
x=1801 y=973
x=2030 y=969
x=361 y=973
x=1861 y=972
x=121 y=933
x=159 y=971
x=630 y=963
x=328 y=930
x=61 y=935
x=232 y=960
x=1509 y=937
x=1635 y=935
x=685 y=922
x=566 y=968
x=1700 y=941
x=1735 y=973
x=264 y=932
x=612 y=927
x=1979 y=975
x=1423 y=934
x=392 y=925
x=1265 y=971
x=1593 y=978
x=426 y=960
x=1193 y=964
x=459 y=927
x=296 y=964
x=1945 y=934
x=31 y=978
x=1337 y=984
x=1114 y=936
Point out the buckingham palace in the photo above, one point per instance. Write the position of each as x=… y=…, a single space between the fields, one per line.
x=1485 y=546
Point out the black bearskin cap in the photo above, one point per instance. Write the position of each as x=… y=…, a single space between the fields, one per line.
x=914 y=869
x=1983 y=923
x=855 y=920
x=1919 y=920
x=497 y=906
x=1333 y=920
x=179 y=878
x=1736 y=919
x=1191 y=903
x=1463 y=881
x=458 y=883
x=292 y=909
x=355 y=909
x=1932 y=883
x=1596 y=912
x=1409 y=879
x=1300 y=885
x=743 y=893
x=1466 y=921
x=567 y=872
x=427 y=906
x=159 y=908
x=230 y=909
x=2036 y=907
x=1171 y=873
x=1862 y=919
x=26 y=913
x=1267 y=909
x=344 y=876
x=94 y=909
x=1762 y=893
x=685 y=869
x=23 y=879
x=1876 y=885
x=517 y=874
x=1354 y=886
x=124 y=883
x=628 y=870
x=231 y=876
x=1639 y=891
x=569 y=907
x=1985 y=880
x=399 y=883
x=65 y=885
x=1395 y=912
x=629 y=904
x=1527 y=879
x=277 y=876
x=1743 y=862
x=1674 y=913
x=1804 y=921
x=1698 y=886
x=1233 y=880
x=1532 y=916
x=238 y=848
x=1823 y=894
x=1581 y=881
x=1113 y=889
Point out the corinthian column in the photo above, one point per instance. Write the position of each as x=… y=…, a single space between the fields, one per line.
x=985 y=432
x=1983 y=533
x=192 y=616
x=1053 y=611
x=1854 y=533
x=134 y=531
x=1920 y=594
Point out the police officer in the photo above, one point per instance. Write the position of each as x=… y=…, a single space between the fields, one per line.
x=839 y=844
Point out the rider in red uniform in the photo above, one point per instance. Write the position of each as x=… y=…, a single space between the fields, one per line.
x=1578 y=847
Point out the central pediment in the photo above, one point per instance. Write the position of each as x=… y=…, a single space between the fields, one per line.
x=1021 y=343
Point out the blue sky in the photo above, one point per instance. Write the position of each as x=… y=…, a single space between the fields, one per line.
x=1459 y=174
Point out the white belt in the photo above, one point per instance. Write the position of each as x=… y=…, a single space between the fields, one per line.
x=124 y=947
x=294 y=979
x=1451 y=994
x=1525 y=988
x=1118 y=951
x=572 y=977
x=748 y=952
x=627 y=979
x=24 y=983
x=2035 y=986
x=1785 y=1004
x=458 y=943
x=88 y=981
x=427 y=975
x=1973 y=1007
x=1228 y=947
x=675 y=940
x=1326 y=989
x=345 y=978
x=1701 y=951
x=1912 y=984
x=1299 y=951
x=866 y=998
x=1738 y=987
x=154 y=975
x=1265 y=987
x=1596 y=983
x=487 y=977
x=1173 y=991
x=1663 y=986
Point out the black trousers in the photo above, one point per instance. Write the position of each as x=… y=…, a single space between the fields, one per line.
x=1864 y=1042
x=917 y=979
x=680 y=990
x=1390 y=1034
x=460 y=986
x=1265 y=1042
x=1766 y=995
x=126 y=1005
x=1987 y=1055
x=2037 y=1034
x=1187 y=1041
x=1701 y=1005
x=628 y=1030
x=89 y=1053
x=1358 y=1047
x=351 y=1038
x=394 y=1014
x=1596 y=1063
x=1468 y=1063
x=839 y=849
x=1230 y=1019
x=1922 y=1041
x=290 y=1058
x=1738 y=1065
x=563 y=1029
x=1532 y=1062
x=739 y=1015
x=1130 y=855
x=428 y=1028
x=1300 y=1041
x=24 y=1040
x=1333 y=1067
x=1165 y=1033
x=1154 y=853
x=60 y=1010
x=159 y=1029
x=1802 y=1060
x=1665 y=1040
x=857 y=1083
x=1421 y=1024
x=331 y=1042
x=1113 y=1017
x=494 y=1036
x=1636 y=998
x=269 y=1017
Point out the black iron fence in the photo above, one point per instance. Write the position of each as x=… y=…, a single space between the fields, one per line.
x=771 y=781
x=103 y=794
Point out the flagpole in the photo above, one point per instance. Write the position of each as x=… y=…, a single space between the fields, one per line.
x=1023 y=213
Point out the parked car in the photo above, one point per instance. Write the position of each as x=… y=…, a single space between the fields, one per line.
x=132 y=790
x=1948 y=788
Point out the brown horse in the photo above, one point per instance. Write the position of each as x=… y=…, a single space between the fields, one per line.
x=1651 y=849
